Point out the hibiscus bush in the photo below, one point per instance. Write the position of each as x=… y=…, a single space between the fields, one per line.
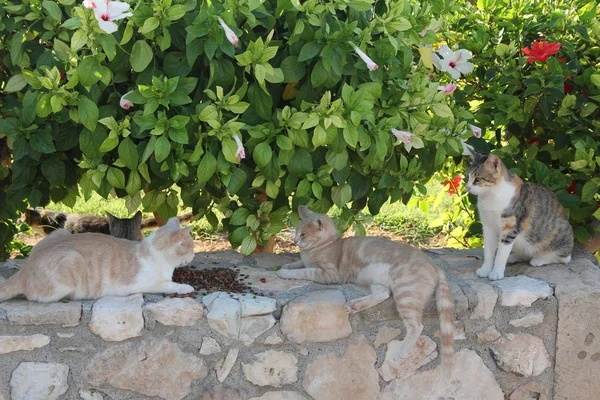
x=249 y=107
x=535 y=91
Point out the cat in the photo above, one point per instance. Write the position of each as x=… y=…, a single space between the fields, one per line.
x=381 y=264
x=91 y=265
x=47 y=221
x=525 y=218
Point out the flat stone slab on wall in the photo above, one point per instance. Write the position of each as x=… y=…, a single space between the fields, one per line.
x=534 y=335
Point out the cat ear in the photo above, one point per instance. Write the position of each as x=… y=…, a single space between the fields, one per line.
x=173 y=221
x=304 y=211
x=492 y=162
x=138 y=218
x=181 y=235
x=320 y=224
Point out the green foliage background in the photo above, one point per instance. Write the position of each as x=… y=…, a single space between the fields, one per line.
x=314 y=120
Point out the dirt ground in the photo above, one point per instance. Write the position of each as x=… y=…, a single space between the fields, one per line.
x=284 y=242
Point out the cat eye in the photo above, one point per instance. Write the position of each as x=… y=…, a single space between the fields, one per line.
x=476 y=180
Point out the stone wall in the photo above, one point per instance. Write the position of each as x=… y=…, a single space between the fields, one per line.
x=533 y=335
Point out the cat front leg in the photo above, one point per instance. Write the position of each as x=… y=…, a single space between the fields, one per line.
x=507 y=241
x=310 y=274
x=170 y=288
x=378 y=294
x=294 y=265
x=490 y=243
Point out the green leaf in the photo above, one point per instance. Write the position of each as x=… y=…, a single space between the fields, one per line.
x=301 y=163
x=248 y=245
x=88 y=113
x=128 y=153
x=206 y=168
x=238 y=178
x=590 y=189
x=15 y=83
x=341 y=195
x=162 y=149
x=260 y=101
x=308 y=51
x=54 y=170
x=262 y=154
x=239 y=216
x=53 y=9
x=116 y=177
x=141 y=55
x=42 y=141
x=134 y=184
x=441 y=110
x=89 y=71
x=149 y=25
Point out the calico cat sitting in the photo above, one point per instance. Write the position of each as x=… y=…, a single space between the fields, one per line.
x=380 y=264
x=92 y=265
x=524 y=218
x=47 y=221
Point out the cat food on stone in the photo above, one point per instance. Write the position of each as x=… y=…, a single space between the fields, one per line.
x=213 y=280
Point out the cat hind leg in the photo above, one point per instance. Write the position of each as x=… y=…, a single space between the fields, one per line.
x=378 y=294
x=545 y=259
x=410 y=300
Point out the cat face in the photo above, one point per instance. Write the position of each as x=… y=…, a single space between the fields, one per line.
x=314 y=229
x=484 y=173
x=176 y=242
x=126 y=228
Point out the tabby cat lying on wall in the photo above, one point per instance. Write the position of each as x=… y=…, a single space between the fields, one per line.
x=47 y=221
x=380 y=264
x=92 y=265
x=524 y=218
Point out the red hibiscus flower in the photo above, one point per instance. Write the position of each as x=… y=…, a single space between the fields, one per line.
x=452 y=184
x=534 y=140
x=540 y=51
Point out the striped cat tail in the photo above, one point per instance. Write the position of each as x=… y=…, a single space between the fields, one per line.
x=445 y=307
x=11 y=288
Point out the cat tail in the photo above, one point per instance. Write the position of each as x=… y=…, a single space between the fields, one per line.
x=11 y=288
x=445 y=307
x=152 y=223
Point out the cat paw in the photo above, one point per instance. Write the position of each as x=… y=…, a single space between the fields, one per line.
x=495 y=276
x=483 y=272
x=284 y=273
x=538 y=262
x=352 y=307
x=184 y=289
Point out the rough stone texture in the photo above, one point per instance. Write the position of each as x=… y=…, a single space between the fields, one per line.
x=273 y=339
x=461 y=303
x=21 y=312
x=521 y=353
x=532 y=319
x=522 y=290
x=486 y=300
x=349 y=377
x=393 y=367
x=220 y=392
x=177 y=311
x=8 y=344
x=209 y=346
x=317 y=316
x=90 y=395
x=150 y=367
x=117 y=318
x=470 y=380
x=253 y=327
x=65 y=334
x=224 y=366
x=578 y=335
x=272 y=368
x=533 y=390
x=385 y=334
x=281 y=395
x=242 y=317
x=43 y=381
x=489 y=335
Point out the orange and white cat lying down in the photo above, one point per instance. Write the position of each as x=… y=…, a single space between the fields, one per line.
x=92 y=265
x=380 y=264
